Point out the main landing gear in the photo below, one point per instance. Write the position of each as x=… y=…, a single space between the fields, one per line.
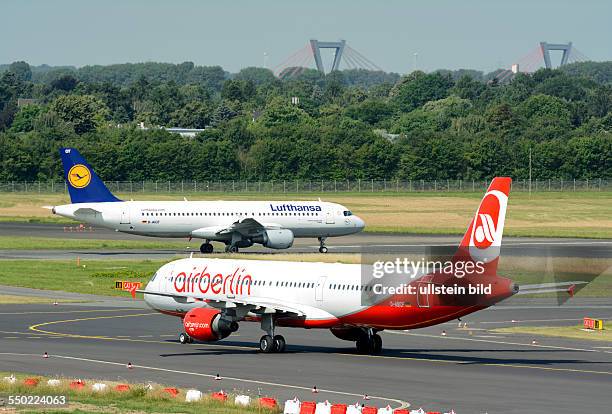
x=322 y=248
x=206 y=247
x=231 y=248
x=369 y=342
x=270 y=343
x=185 y=339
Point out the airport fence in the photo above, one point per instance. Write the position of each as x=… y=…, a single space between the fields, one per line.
x=313 y=186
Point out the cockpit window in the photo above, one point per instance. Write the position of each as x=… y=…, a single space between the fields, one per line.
x=153 y=278
x=347 y=213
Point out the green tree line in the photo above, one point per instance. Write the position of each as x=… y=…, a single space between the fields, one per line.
x=347 y=124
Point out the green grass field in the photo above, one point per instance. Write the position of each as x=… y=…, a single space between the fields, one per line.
x=98 y=277
x=546 y=214
x=138 y=399
x=572 y=332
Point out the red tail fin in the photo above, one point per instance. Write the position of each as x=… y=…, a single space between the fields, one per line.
x=482 y=240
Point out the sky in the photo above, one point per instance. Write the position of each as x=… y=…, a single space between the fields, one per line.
x=474 y=34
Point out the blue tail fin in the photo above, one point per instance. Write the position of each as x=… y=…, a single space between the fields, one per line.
x=84 y=185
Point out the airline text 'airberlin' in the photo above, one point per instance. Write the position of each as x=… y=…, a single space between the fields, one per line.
x=218 y=284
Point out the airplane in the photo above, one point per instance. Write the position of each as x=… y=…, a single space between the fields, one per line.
x=212 y=296
x=237 y=224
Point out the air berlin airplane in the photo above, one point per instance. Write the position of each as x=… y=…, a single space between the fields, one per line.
x=212 y=295
x=237 y=224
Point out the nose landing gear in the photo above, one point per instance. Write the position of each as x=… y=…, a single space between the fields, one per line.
x=206 y=247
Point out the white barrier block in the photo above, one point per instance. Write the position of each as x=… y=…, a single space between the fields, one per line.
x=353 y=409
x=292 y=406
x=193 y=395
x=53 y=383
x=323 y=408
x=385 y=410
x=99 y=387
x=419 y=411
x=11 y=379
x=243 y=400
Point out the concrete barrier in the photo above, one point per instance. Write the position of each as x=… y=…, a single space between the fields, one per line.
x=193 y=395
x=99 y=387
x=323 y=408
x=242 y=400
x=292 y=406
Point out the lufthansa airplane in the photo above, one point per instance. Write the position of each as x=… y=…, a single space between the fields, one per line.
x=273 y=224
x=212 y=296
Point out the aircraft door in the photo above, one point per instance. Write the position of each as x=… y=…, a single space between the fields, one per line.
x=329 y=216
x=319 y=288
x=125 y=214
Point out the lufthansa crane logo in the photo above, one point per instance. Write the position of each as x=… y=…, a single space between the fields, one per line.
x=79 y=176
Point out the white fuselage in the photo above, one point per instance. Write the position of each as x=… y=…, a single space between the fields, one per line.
x=205 y=219
x=322 y=291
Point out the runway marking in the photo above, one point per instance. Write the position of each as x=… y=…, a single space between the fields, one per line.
x=403 y=404
x=72 y=311
x=498 y=342
x=492 y=364
x=35 y=328
x=532 y=320
x=11 y=337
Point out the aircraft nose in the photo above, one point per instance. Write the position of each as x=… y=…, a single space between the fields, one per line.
x=359 y=223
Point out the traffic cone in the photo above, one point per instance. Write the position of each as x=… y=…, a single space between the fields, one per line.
x=129 y=365
x=217 y=377
x=45 y=355
x=315 y=390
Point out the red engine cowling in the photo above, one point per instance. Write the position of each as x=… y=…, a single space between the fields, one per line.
x=207 y=325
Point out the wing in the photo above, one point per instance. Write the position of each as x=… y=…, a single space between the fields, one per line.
x=247 y=227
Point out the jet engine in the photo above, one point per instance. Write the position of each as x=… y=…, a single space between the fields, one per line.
x=275 y=238
x=207 y=325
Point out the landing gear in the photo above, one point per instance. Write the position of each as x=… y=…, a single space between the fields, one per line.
x=266 y=344
x=185 y=339
x=369 y=343
x=206 y=248
x=279 y=343
x=270 y=343
x=322 y=248
x=231 y=249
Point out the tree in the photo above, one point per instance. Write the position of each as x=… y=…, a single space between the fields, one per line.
x=25 y=117
x=22 y=70
x=85 y=113
x=65 y=83
x=416 y=89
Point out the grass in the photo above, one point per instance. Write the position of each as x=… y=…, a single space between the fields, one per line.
x=547 y=214
x=38 y=243
x=138 y=399
x=22 y=300
x=98 y=277
x=572 y=332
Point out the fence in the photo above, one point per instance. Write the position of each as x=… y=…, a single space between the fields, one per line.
x=313 y=186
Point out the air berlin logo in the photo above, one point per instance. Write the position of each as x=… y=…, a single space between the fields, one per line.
x=484 y=230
